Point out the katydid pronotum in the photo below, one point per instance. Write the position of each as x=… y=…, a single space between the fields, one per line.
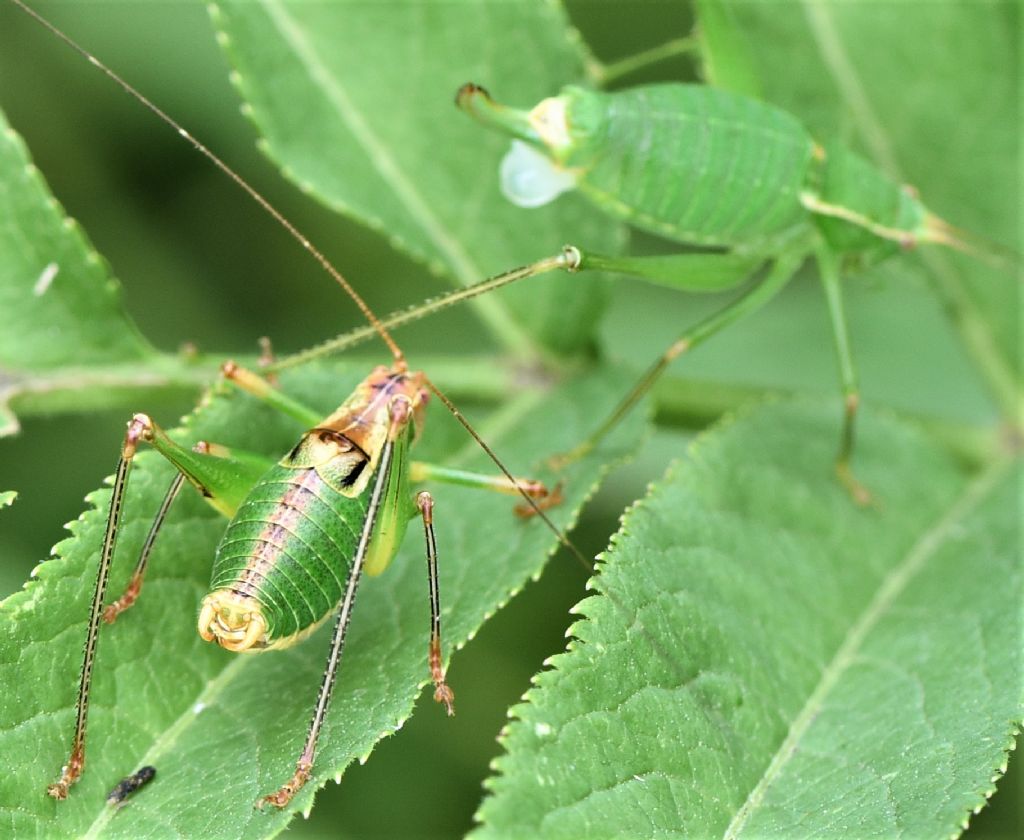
x=302 y=529
x=726 y=173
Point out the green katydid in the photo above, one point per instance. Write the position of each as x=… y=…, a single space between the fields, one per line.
x=303 y=528
x=720 y=171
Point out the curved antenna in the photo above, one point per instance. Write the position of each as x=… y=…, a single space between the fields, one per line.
x=375 y=323
x=255 y=195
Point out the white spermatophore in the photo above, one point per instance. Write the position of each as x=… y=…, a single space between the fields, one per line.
x=529 y=179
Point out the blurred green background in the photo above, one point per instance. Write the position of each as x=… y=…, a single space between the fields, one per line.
x=200 y=263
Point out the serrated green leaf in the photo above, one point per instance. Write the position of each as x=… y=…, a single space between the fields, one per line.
x=223 y=729
x=60 y=304
x=355 y=101
x=167 y=816
x=767 y=660
x=65 y=339
x=61 y=307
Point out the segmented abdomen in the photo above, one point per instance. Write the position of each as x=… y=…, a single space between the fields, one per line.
x=693 y=163
x=289 y=546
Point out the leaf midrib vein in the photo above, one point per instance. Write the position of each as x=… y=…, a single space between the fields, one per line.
x=166 y=740
x=460 y=262
x=891 y=587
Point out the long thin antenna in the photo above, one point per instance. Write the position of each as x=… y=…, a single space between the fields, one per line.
x=256 y=196
x=537 y=510
x=375 y=323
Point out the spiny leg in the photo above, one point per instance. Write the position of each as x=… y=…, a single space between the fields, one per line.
x=221 y=486
x=442 y=693
x=780 y=273
x=304 y=766
x=138 y=429
x=134 y=587
x=568 y=259
x=829 y=269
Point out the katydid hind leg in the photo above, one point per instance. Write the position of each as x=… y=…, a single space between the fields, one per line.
x=304 y=766
x=566 y=260
x=828 y=265
x=779 y=274
x=138 y=428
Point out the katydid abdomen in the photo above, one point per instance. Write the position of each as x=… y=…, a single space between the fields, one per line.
x=706 y=167
x=890 y=215
x=686 y=162
x=287 y=551
x=285 y=559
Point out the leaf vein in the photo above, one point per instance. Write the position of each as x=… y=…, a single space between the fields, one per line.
x=891 y=587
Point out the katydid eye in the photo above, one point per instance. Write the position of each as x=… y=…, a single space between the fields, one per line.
x=529 y=179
